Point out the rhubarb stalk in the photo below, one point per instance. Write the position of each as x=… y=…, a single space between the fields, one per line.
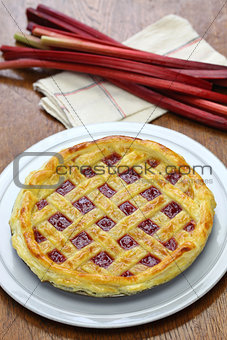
x=75 y=23
x=49 y=21
x=117 y=74
x=29 y=40
x=198 y=102
x=11 y=53
x=173 y=105
x=89 y=31
x=205 y=74
x=183 y=87
x=147 y=57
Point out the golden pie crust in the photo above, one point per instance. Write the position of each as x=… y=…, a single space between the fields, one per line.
x=112 y=234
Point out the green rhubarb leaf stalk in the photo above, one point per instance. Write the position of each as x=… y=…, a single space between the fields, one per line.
x=29 y=40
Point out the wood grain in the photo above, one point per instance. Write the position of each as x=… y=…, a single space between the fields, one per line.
x=22 y=124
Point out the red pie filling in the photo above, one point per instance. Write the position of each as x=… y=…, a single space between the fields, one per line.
x=129 y=176
x=111 y=159
x=171 y=244
x=127 y=274
x=173 y=177
x=56 y=256
x=102 y=259
x=59 y=221
x=41 y=204
x=106 y=190
x=150 y=193
x=148 y=226
x=65 y=188
x=81 y=240
x=153 y=163
x=88 y=172
x=190 y=226
x=149 y=261
x=127 y=242
x=172 y=209
x=38 y=236
x=127 y=208
x=84 y=205
x=106 y=223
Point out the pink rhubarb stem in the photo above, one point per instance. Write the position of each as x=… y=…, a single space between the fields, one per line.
x=205 y=74
x=115 y=51
x=198 y=102
x=173 y=105
x=117 y=74
x=11 y=53
x=164 y=60
x=75 y=23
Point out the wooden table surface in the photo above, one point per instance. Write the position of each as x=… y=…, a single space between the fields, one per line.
x=22 y=124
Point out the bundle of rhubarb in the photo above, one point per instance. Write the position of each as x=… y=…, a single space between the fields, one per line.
x=183 y=86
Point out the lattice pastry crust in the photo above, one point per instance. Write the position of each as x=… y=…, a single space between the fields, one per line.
x=113 y=234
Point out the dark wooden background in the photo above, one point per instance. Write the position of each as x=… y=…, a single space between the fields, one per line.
x=22 y=124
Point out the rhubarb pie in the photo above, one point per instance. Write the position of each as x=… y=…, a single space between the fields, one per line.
x=128 y=214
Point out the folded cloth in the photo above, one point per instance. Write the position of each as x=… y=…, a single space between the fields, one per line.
x=76 y=99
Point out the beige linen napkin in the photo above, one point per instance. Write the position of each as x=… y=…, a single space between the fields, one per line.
x=75 y=99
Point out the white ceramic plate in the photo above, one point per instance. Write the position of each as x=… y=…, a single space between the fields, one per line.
x=20 y=283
